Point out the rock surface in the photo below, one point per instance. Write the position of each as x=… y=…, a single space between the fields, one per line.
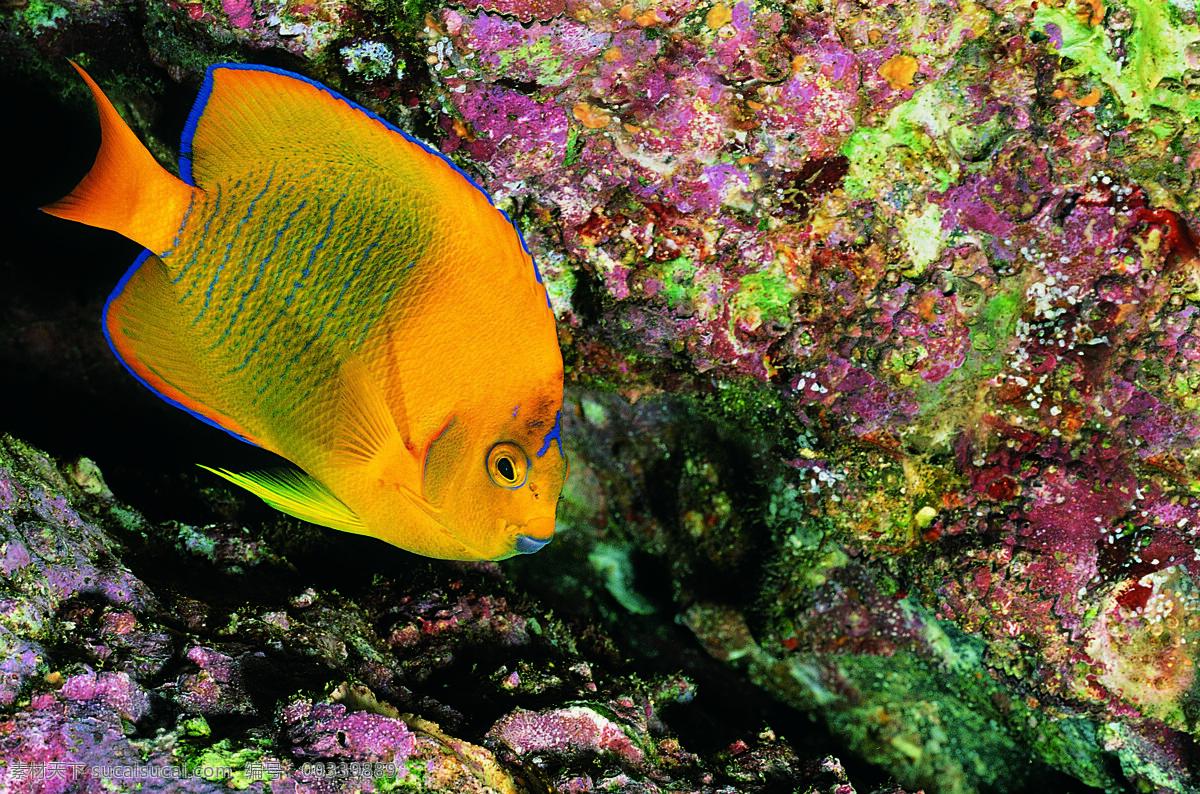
x=113 y=684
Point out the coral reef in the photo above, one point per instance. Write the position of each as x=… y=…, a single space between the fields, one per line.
x=115 y=684
x=882 y=330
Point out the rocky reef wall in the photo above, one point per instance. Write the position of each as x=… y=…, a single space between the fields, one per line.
x=883 y=358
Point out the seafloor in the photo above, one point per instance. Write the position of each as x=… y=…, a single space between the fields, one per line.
x=881 y=324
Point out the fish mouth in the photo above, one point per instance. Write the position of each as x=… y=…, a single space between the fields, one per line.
x=538 y=532
x=527 y=545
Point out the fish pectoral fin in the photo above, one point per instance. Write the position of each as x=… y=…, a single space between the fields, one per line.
x=422 y=504
x=297 y=494
x=368 y=424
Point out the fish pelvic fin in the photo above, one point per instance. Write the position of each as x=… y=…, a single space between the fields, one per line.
x=442 y=468
x=298 y=495
x=126 y=191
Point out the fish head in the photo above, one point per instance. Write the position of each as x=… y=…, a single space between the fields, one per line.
x=497 y=492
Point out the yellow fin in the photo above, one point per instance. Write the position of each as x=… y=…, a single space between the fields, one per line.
x=251 y=117
x=155 y=343
x=126 y=191
x=296 y=494
x=367 y=424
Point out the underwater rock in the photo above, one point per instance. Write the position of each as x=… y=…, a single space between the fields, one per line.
x=113 y=684
x=882 y=332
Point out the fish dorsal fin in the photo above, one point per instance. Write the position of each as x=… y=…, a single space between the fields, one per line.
x=249 y=117
x=296 y=494
x=367 y=424
x=126 y=191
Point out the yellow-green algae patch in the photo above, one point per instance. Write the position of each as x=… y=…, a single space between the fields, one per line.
x=923 y=237
x=907 y=155
x=1159 y=51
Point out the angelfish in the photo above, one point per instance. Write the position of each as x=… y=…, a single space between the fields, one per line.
x=324 y=286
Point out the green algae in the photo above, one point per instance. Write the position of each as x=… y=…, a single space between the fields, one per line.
x=1137 y=765
x=950 y=404
x=42 y=15
x=238 y=766
x=542 y=52
x=411 y=778
x=991 y=335
x=908 y=155
x=941 y=717
x=677 y=277
x=574 y=149
x=944 y=716
x=1156 y=55
x=763 y=298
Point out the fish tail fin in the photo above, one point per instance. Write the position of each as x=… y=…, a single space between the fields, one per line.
x=126 y=191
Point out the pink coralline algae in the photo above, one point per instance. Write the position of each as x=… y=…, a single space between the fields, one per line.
x=240 y=12
x=217 y=687
x=329 y=731
x=115 y=690
x=41 y=572
x=532 y=133
x=566 y=732
x=74 y=739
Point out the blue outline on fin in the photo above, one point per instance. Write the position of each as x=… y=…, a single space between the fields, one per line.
x=137 y=263
x=189 y=132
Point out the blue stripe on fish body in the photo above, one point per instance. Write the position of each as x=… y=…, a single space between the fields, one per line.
x=387 y=297
x=204 y=234
x=203 y=246
x=235 y=238
x=345 y=286
x=262 y=263
x=554 y=435
x=187 y=215
x=328 y=230
x=208 y=293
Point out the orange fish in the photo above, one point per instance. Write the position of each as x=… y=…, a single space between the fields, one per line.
x=324 y=286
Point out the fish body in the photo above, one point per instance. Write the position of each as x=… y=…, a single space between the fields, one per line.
x=323 y=286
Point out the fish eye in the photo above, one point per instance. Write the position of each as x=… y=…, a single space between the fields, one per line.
x=506 y=465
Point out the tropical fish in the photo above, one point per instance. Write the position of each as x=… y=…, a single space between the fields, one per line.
x=324 y=286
